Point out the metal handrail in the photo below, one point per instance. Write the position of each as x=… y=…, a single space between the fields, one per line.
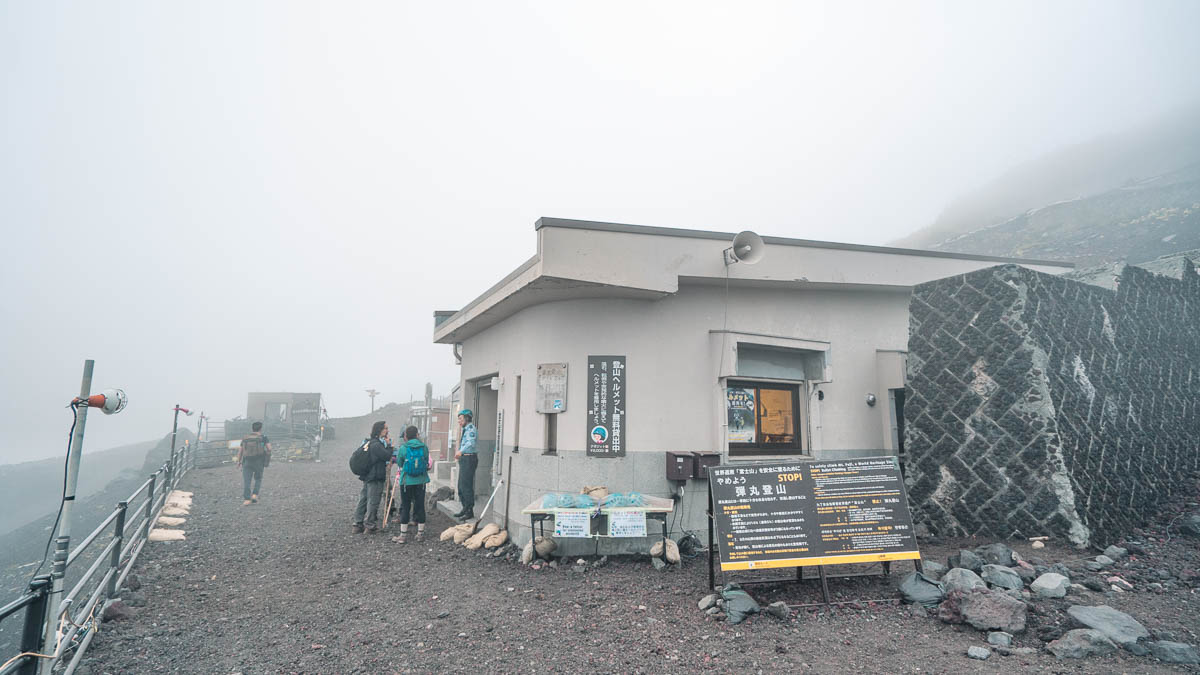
x=87 y=541
x=129 y=537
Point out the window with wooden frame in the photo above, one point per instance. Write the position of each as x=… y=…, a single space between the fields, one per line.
x=765 y=418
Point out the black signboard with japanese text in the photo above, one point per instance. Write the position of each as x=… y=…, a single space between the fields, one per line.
x=607 y=384
x=794 y=514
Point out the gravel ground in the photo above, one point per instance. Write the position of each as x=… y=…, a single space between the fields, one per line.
x=284 y=586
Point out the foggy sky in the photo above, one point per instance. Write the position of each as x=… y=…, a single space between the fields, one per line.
x=213 y=198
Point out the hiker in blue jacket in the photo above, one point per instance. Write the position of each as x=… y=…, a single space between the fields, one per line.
x=412 y=458
x=467 y=461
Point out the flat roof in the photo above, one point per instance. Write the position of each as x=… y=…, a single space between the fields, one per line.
x=781 y=241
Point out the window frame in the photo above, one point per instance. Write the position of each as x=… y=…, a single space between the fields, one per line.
x=798 y=391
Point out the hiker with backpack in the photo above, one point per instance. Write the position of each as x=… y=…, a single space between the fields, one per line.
x=413 y=460
x=369 y=462
x=254 y=454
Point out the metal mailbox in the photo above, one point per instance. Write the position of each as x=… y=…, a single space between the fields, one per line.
x=701 y=461
x=680 y=466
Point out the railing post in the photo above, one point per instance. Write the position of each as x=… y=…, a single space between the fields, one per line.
x=35 y=620
x=115 y=563
x=149 y=507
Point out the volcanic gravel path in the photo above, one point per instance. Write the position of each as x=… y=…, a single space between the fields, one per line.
x=284 y=586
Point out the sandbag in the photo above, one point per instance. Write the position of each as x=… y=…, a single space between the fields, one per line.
x=527 y=553
x=174 y=511
x=544 y=546
x=672 y=551
x=656 y=549
x=597 y=492
x=475 y=541
x=738 y=603
x=464 y=532
x=165 y=535
x=171 y=522
x=495 y=540
x=448 y=533
x=918 y=588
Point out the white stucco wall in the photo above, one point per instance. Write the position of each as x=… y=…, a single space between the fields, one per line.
x=674 y=399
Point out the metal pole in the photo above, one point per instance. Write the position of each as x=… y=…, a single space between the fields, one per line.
x=149 y=506
x=171 y=461
x=119 y=535
x=59 y=570
x=35 y=615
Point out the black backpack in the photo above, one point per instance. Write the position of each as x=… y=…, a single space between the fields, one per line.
x=360 y=459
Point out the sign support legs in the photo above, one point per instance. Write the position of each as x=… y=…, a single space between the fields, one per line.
x=712 y=543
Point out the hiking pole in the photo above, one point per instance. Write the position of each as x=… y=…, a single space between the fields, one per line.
x=387 y=512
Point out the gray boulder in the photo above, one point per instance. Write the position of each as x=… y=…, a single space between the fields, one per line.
x=778 y=609
x=1117 y=626
x=932 y=569
x=707 y=601
x=996 y=554
x=986 y=610
x=1174 y=652
x=966 y=560
x=961 y=579
x=1000 y=638
x=1116 y=552
x=1191 y=525
x=977 y=652
x=1027 y=572
x=1081 y=643
x=1105 y=561
x=1059 y=568
x=1050 y=585
x=1003 y=577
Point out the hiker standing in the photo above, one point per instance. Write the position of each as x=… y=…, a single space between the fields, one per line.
x=373 y=478
x=467 y=461
x=412 y=460
x=253 y=456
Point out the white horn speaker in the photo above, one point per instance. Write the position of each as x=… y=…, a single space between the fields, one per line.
x=747 y=248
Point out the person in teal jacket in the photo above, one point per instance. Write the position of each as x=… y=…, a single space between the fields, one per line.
x=412 y=458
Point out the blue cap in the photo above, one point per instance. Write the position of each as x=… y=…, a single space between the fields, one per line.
x=467 y=412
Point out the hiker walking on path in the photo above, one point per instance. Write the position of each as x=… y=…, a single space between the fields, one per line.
x=467 y=461
x=412 y=458
x=373 y=476
x=253 y=456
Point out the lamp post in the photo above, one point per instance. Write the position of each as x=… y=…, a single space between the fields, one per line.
x=372 y=393
x=111 y=401
x=200 y=425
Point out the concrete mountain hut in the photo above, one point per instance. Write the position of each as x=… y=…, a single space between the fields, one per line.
x=799 y=356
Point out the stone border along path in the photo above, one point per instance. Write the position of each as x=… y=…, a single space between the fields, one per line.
x=283 y=586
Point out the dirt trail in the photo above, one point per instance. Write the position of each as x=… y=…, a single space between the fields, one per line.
x=284 y=586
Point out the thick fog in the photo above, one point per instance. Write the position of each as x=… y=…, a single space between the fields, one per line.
x=219 y=197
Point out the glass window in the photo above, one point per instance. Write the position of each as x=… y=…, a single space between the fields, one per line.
x=764 y=418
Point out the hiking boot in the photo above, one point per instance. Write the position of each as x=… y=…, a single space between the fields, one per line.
x=420 y=536
x=357 y=529
x=402 y=539
x=246 y=503
x=253 y=499
x=467 y=515
x=372 y=530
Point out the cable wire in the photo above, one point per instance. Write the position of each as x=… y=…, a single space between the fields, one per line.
x=63 y=500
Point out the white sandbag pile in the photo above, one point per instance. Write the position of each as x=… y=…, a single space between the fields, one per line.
x=177 y=505
x=665 y=549
x=475 y=541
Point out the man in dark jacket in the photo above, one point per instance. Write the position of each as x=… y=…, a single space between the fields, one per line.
x=367 y=512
